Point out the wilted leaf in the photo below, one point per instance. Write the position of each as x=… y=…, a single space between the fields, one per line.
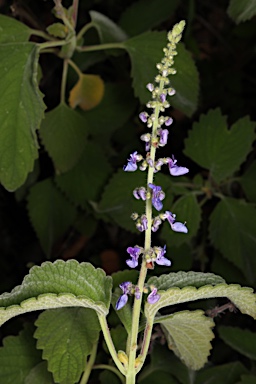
x=87 y=92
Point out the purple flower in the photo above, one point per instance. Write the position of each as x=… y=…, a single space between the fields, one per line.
x=132 y=162
x=174 y=169
x=162 y=97
x=143 y=116
x=140 y=193
x=153 y=297
x=160 y=259
x=157 y=196
x=176 y=226
x=126 y=286
x=134 y=252
x=163 y=136
x=156 y=223
x=169 y=121
x=150 y=87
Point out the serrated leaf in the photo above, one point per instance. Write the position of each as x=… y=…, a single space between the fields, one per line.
x=157 y=11
x=67 y=336
x=50 y=212
x=233 y=232
x=145 y=51
x=18 y=356
x=189 y=335
x=248 y=182
x=242 y=297
x=85 y=181
x=242 y=340
x=56 y=285
x=222 y=374
x=87 y=92
x=186 y=209
x=211 y=145
x=64 y=133
x=183 y=279
x=21 y=111
x=108 y=31
x=39 y=374
x=11 y=30
x=241 y=10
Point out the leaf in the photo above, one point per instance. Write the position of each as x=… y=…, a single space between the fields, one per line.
x=145 y=51
x=157 y=11
x=21 y=111
x=107 y=377
x=50 y=213
x=57 y=30
x=186 y=209
x=56 y=285
x=85 y=181
x=211 y=145
x=242 y=340
x=108 y=31
x=67 y=336
x=11 y=30
x=248 y=182
x=241 y=10
x=183 y=279
x=64 y=133
x=222 y=374
x=119 y=337
x=87 y=92
x=247 y=379
x=233 y=233
x=159 y=377
x=242 y=297
x=39 y=374
x=18 y=356
x=189 y=335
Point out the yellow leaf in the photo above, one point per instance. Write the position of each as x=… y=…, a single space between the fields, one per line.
x=87 y=93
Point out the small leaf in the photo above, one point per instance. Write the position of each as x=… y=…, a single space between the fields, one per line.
x=241 y=10
x=50 y=213
x=189 y=335
x=11 y=30
x=248 y=181
x=39 y=374
x=64 y=133
x=211 y=145
x=67 y=336
x=56 y=285
x=242 y=340
x=233 y=233
x=87 y=92
x=18 y=356
x=57 y=30
x=222 y=374
x=108 y=31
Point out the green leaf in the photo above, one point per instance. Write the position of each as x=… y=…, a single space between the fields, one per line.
x=67 y=336
x=86 y=180
x=157 y=377
x=50 y=213
x=241 y=10
x=222 y=374
x=12 y=30
x=108 y=31
x=18 y=356
x=145 y=51
x=64 y=134
x=187 y=210
x=107 y=377
x=21 y=111
x=119 y=337
x=57 y=285
x=242 y=340
x=247 y=379
x=248 y=182
x=39 y=374
x=189 y=335
x=183 y=279
x=242 y=297
x=233 y=232
x=211 y=145
x=157 y=11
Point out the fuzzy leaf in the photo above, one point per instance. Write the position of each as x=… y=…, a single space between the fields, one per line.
x=67 y=336
x=248 y=181
x=64 y=133
x=11 y=30
x=50 y=213
x=233 y=232
x=189 y=335
x=211 y=145
x=87 y=92
x=18 y=356
x=242 y=297
x=145 y=51
x=21 y=111
x=241 y=10
x=56 y=285
x=108 y=31
x=242 y=340
x=39 y=374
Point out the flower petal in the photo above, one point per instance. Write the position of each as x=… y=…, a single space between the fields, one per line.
x=121 y=302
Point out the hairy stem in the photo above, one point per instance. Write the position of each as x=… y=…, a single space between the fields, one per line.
x=89 y=365
x=64 y=81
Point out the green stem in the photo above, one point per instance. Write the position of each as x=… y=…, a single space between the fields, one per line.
x=50 y=44
x=89 y=365
x=37 y=32
x=100 y=47
x=109 y=342
x=145 y=345
x=75 y=67
x=64 y=81
x=75 y=11
x=83 y=30
x=112 y=369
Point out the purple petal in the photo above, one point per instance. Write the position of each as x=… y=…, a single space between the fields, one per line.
x=178 y=171
x=153 y=297
x=168 y=122
x=179 y=227
x=143 y=116
x=132 y=263
x=121 y=302
x=157 y=204
x=125 y=286
x=163 y=261
x=170 y=217
x=130 y=167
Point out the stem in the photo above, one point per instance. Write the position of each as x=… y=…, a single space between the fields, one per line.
x=50 y=44
x=75 y=67
x=37 y=32
x=112 y=369
x=85 y=28
x=109 y=342
x=89 y=365
x=100 y=47
x=145 y=345
x=75 y=11
x=64 y=81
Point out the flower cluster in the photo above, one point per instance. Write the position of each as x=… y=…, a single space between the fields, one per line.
x=153 y=193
